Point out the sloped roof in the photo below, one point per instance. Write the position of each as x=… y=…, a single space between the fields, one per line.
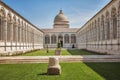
x=59 y=30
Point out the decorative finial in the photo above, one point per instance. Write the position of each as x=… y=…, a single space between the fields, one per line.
x=61 y=12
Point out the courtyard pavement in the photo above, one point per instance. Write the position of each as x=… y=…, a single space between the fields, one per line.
x=45 y=59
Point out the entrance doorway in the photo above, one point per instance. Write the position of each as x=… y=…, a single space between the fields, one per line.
x=61 y=43
x=60 y=40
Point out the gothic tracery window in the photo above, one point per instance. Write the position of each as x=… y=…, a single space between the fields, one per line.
x=1 y=28
x=98 y=29
x=114 y=22
x=47 y=39
x=53 y=39
x=103 y=27
x=108 y=26
x=73 y=38
x=9 y=27
x=18 y=30
x=66 y=38
x=2 y=17
x=14 y=29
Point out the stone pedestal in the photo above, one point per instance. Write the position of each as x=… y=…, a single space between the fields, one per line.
x=54 y=68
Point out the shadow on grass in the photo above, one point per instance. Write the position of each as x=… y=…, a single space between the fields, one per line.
x=110 y=71
x=83 y=52
x=43 y=74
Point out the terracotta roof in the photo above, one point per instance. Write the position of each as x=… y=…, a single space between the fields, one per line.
x=54 y=30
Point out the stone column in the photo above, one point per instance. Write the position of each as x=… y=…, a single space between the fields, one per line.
x=16 y=28
x=22 y=40
x=105 y=27
x=20 y=36
x=33 y=39
x=11 y=38
x=50 y=39
x=23 y=36
x=69 y=38
x=119 y=31
x=63 y=39
x=111 y=31
x=56 y=40
x=118 y=26
x=26 y=36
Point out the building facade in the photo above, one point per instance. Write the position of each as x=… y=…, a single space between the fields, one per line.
x=61 y=33
x=102 y=32
x=17 y=35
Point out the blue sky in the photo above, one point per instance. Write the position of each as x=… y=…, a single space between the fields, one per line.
x=42 y=12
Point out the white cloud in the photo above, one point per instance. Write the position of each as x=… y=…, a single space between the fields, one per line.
x=79 y=17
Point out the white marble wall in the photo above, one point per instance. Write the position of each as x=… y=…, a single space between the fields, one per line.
x=17 y=33
x=102 y=32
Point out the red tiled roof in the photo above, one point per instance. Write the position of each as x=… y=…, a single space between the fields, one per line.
x=54 y=30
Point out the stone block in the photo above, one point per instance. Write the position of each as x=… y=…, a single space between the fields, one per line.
x=54 y=67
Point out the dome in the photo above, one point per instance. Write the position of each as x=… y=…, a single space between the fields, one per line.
x=61 y=17
x=61 y=21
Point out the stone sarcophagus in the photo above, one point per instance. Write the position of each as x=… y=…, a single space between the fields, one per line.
x=54 y=67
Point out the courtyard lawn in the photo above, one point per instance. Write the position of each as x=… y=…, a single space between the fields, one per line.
x=70 y=71
x=64 y=52
x=42 y=52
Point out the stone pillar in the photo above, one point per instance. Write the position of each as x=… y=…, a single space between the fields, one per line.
x=118 y=26
x=11 y=29
x=111 y=31
x=57 y=40
x=63 y=39
x=33 y=38
x=119 y=31
x=20 y=35
x=54 y=68
x=16 y=28
x=105 y=35
x=69 y=38
x=50 y=39
x=26 y=32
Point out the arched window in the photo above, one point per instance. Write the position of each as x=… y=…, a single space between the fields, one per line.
x=66 y=38
x=22 y=32
x=98 y=29
x=95 y=30
x=53 y=39
x=1 y=26
x=9 y=27
x=2 y=17
x=92 y=30
x=73 y=38
x=103 y=27
x=108 y=26
x=19 y=30
x=47 y=39
x=14 y=29
x=114 y=22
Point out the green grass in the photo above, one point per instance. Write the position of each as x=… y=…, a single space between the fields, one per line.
x=70 y=71
x=40 y=53
x=64 y=52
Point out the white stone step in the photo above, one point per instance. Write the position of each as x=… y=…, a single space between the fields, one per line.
x=44 y=59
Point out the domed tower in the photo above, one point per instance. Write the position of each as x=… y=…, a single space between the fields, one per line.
x=61 y=21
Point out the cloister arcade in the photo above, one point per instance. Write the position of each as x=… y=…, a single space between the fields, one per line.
x=102 y=32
